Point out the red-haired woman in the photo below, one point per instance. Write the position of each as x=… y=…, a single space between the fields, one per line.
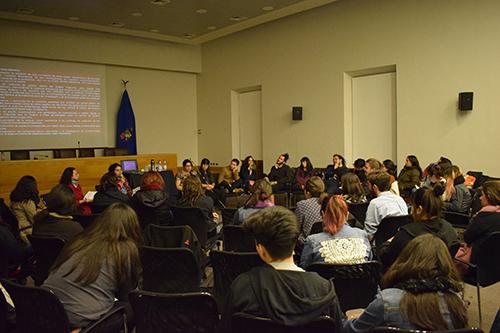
x=339 y=243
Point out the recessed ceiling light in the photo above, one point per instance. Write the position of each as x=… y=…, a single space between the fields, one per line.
x=25 y=11
x=154 y=30
x=238 y=18
x=160 y=2
x=74 y=18
x=202 y=11
x=188 y=35
x=267 y=8
x=212 y=27
x=136 y=14
x=117 y=24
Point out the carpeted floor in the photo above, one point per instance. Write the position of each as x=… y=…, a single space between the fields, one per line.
x=490 y=304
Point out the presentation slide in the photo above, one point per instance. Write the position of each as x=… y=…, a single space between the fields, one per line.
x=48 y=104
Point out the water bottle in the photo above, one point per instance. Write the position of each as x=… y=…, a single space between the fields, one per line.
x=152 y=165
x=160 y=167
x=165 y=165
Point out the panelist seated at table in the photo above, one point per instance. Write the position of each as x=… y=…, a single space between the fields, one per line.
x=70 y=177
x=123 y=186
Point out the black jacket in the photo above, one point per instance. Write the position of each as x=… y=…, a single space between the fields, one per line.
x=152 y=206
x=331 y=173
x=283 y=175
x=287 y=297
x=103 y=199
x=481 y=226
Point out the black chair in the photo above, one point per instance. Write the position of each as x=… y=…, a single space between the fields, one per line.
x=356 y=285
x=64 y=153
x=46 y=251
x=486 y=271
x=19 y=155
x=389 y=226
x=39 y=310
x=170 y=270
x=247 y=323
x=194 y=217
x=227 y=266
x=296 y=197
x=281 y=199
x=85 y=220
x=399 y=330
x=187 y=313
x=359 y=211
x=457 y=220
x=237 y=239
x=227 y=215
x=316 y=228
x=6 y=324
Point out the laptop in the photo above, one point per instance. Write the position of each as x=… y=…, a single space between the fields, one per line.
x=129 y=165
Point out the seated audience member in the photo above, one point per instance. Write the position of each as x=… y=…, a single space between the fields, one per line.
x=57 y=220
x=229 y=178
x=70 y=177
x=123 y=185
x=419 y=291
x=248 y=173
x=371 y=165
x=359 y=170
x=339 y=243
x=352 y=190
x=261 y=197
x=24 y=203
x=435 y=174
x=385 y=204
x=334 y=173
x=108 y=193
x=193 y=196
x=97 y=267
x=426 y=213
x=281 y=175
x=17 y=252
x=302 y=174
x=391 y=169
x=151 y=202
x=308 y=211
x=457 y=196
x=208 y=183
x=410 y=175
x=445 y=163
x=486 y=221
x=187 y=170
x=279 y=290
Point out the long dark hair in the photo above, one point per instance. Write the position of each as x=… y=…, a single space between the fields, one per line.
x=245 y=164
x=191 y=190
x=112 y=239
x=26 y=189
x=66 y=176
x=427 y=202
x=414 y=163
x=309 y=166
x=424 y=269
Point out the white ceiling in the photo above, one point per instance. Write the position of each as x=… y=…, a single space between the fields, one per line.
x=181 y=21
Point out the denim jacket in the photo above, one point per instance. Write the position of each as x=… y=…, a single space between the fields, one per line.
x=384 y=311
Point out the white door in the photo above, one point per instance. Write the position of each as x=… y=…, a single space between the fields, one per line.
x=249 y=124
x=374 y=117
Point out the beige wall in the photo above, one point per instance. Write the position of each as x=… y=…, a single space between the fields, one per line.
x=162 y=79
x=440 y=48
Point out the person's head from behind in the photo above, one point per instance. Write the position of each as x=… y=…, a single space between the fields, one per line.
x=113 y=238
x=436 y=173
x=372 y=164
x=116 y=169
x=338 y=160
x=261 y=191
x=61 y=200
x=282 y=159
x=305 y=164
x=275 y=230
x=191 y=190
x=205 y=165
x=234 y=164
x=444 y=162
x=427 y=202
x=359 y=164
x=152 y=180
x=425 y=270
x=351 y=185
x=26 y=189
x=69 y=176
x=334 y=212
x=379 y=181
x=108 y=181
x=187 y=165
x=490 y=193
x=315 y=187
x=389 y=167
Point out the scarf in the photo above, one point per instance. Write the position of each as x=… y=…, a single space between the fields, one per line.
x=416 y=286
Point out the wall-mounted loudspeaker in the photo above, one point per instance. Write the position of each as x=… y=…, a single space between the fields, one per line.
x=297 y=113
x=465 y=101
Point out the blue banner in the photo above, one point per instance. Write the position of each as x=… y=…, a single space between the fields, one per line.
x=125 y=129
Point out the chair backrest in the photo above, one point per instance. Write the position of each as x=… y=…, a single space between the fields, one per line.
x=458 y=220
x=400 y=330
x=356 y=285
x=316 y=228
x=488 y=260
x=227 y=266
x=237 y=239
x=37 y=309
x=281 y=199
x=188 y=313
x=46 y=251
x=170 y=270
x=247 y=323
x=389 y=226
x=193 y=217
x=227 y=215
x=359 y=211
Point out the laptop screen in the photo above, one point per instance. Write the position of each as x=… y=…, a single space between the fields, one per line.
x=129 y=165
